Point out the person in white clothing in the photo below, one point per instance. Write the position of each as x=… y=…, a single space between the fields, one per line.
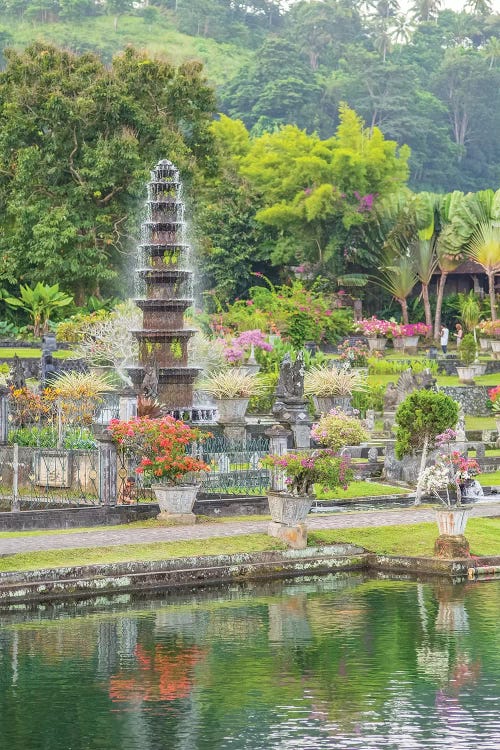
x=445 y=334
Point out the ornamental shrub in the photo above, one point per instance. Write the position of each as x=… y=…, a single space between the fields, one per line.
x=468 y=350
x=304 y=469
x=162 y=446
x=336 y=429
x=420 y=418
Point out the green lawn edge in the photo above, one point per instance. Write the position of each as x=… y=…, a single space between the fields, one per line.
x=416 y=540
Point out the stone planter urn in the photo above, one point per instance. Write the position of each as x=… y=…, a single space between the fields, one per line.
x=451 y=542
x=497 y=420
x=288 y=513
x=452 y=521
x=479 y=370
x=399 y=343
x=495 y=348
x=411 y=342
x=289 y=509
x=376 y=343
x=176 y=502
x=232 y=409
x=484 y=344
x=324 y=404
x=466 y=374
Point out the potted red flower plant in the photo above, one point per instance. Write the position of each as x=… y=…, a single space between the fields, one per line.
x=162 y=447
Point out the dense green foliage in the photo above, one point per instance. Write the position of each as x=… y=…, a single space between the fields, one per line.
x=76 y=141
x=421 y=417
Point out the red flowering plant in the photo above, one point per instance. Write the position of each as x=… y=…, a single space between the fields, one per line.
x=162 y=446
x=304 y=469
x=494 y=396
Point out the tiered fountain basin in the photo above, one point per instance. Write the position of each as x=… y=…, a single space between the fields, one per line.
x=154 y=311
x=175 y=385
x=166 y=283
x=163 y=348
x=166 y=211
x=163 y=256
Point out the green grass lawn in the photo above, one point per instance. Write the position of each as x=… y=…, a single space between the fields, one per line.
x=24 y=352
x=415 y=540
x=360 y=489
x=489 y=380
x=143 y=552
x=482 y=533
x=489 y=479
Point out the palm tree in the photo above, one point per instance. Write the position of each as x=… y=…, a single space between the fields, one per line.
x=425 y=260
x=491 y=50
x=479 y=7
x=484 y=248
x=450 y=243
x=425 y=10
x=402 y=29
x=398 y=277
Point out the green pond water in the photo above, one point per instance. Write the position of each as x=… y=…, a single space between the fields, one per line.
x=336 y=662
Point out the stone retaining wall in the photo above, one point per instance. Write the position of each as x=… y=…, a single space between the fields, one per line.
x=85 y=582
x=473 y=398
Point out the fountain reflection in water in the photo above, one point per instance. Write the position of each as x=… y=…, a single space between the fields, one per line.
x=166 y=284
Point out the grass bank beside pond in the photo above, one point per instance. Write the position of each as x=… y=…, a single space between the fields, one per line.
x=415 y=540
x=230 y=545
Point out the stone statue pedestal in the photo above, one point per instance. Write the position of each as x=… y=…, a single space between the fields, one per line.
x=234 y=431
x=294 y=536
x=389 y=419
x=295 y=417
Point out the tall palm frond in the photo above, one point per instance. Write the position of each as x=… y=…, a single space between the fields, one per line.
x=484 y=248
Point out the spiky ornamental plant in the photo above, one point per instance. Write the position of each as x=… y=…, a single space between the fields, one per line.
x=484 y=248
x=326 y=381
x=232 y=383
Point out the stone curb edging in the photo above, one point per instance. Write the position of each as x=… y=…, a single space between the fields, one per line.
x=91 y=580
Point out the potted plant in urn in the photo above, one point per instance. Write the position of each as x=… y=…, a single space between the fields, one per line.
x=302 y=470
x=332 y=388
x=161 y=447
x=377 y=332
x=446 y=480
x=467 y=354
x=232 y=389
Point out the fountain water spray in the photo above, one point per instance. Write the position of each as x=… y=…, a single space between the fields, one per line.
x=167 y=281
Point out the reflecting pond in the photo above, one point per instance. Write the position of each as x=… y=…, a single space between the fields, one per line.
x=337 y=662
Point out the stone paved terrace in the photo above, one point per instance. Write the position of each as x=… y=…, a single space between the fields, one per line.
x=104 y=538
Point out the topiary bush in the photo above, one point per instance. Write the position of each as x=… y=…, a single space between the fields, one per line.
x=420 y=418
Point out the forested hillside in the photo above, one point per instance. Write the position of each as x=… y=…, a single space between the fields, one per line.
x=427 y=78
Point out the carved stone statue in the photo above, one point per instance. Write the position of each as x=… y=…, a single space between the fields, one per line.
x=17 y=377
x=149 y=385
x=409 y=382
x=391 y=397
x=290 y=387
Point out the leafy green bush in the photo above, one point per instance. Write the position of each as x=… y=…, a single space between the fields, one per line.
x=420 y=418
x=394 y=367
x=46 y=437
x=371 y=398
x=468 y=350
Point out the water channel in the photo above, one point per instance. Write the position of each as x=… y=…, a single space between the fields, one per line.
x=336 y=662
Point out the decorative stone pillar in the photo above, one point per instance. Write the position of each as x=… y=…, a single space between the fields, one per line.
x=278 y=446
x=127 y=405
x=4 y=415
x=108 y=459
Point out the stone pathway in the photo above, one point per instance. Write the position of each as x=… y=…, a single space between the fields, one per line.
x=102 y=538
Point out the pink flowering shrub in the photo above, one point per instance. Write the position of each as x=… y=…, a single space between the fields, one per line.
x=374 y=327
x=240 y=346
x=355 y=354
x=304 y=469
x=489 y=329
x=336 y=430
x=390 y=329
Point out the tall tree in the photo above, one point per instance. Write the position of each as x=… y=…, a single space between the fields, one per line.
x=77 y=140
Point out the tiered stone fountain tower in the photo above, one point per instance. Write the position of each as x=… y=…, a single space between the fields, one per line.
x=167 y=281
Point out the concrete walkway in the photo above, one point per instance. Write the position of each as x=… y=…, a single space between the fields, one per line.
x=103 y=538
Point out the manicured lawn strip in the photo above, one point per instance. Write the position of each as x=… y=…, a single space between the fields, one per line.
x=138 y=552
x=417 y=539
x=360 y=489
x=480 y=423
x=489 y=479
x=27 y=353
